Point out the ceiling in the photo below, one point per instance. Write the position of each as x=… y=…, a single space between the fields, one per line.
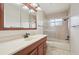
x=49 y=8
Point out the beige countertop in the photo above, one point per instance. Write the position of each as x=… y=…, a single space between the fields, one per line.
x=13 y=46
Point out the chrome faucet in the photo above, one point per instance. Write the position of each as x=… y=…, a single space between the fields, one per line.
x=26 y=35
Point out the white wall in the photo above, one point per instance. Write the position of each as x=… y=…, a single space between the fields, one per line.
x=74 y=32
x=14 y=34
x=58 y=15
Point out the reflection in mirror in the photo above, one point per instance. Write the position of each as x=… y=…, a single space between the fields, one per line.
x=32 y=19
x=11 y=15
x=24 y=16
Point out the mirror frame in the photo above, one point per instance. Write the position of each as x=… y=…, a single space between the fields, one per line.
x=2 y=18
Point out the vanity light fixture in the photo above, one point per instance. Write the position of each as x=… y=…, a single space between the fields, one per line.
x=34 y=5
x=32 y=11
x=25 y=7
x=38 y=8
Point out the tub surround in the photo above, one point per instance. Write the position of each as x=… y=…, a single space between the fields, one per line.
x=11 y=47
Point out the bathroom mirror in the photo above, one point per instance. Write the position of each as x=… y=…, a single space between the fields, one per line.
x=24 y=12
x=17 y=17
x=11 y=15
x=32 y=19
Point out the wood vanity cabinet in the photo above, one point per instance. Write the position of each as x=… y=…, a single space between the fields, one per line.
x=37 y=48
x=41 y=49
x=34 y=52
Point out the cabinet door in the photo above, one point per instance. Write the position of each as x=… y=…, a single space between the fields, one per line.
x=45 y=48
x=34 y=52
x=40 y=50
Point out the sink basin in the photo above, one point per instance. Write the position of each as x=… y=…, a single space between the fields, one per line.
x=29 y=38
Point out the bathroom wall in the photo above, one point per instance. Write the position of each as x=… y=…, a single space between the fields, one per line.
x=15 y=34
x=59 y=32
x=74 y=32
x=58 y=15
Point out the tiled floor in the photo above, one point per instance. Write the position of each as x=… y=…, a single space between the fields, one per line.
x=58 y=47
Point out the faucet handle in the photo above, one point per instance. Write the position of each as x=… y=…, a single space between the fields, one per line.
x=27 y=33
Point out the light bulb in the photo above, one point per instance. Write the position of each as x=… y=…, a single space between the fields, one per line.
x=38 y=8
x=25 y=7
x=34 y=5
x=32 y=11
